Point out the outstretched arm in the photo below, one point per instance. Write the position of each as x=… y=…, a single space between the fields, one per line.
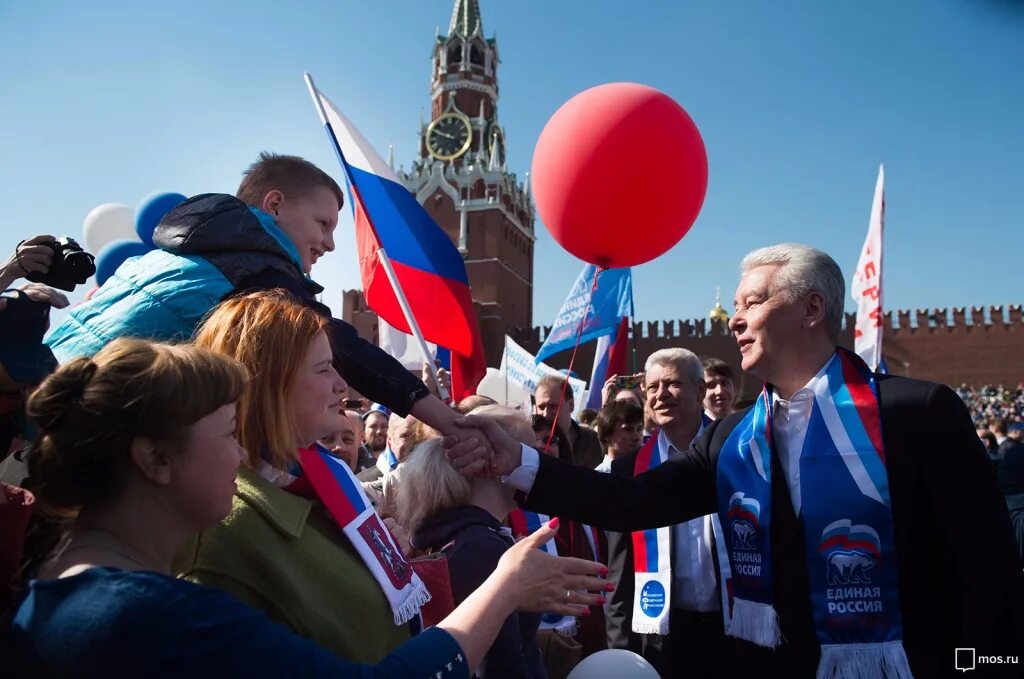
x=676 y=491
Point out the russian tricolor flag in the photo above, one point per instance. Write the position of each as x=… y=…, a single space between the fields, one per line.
x=428 y=266
x=609 y=359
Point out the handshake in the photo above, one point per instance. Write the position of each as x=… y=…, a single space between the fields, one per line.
x=497 y=455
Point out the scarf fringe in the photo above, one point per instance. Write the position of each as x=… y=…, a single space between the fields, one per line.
x=410 y=608
x=756 y=623
x=651 y=627
x=864 y=661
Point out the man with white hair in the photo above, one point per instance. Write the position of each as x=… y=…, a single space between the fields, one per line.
x=864 y=532
x=687 y=637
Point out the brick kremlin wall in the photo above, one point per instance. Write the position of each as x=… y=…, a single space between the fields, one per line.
x=980 y=345
x=975 y=346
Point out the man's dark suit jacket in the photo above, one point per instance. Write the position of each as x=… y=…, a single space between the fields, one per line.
x=959 y=583
x=586 y=447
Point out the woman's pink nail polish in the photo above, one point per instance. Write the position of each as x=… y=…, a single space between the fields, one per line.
x=553 y=523
x=610 y=587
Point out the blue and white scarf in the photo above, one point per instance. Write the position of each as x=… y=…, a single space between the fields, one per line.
x=847 y=519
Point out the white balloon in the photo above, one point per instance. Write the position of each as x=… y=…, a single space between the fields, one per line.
x=614 y=663
x=108 y=222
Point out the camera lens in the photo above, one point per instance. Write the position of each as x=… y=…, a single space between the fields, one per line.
x=80 y=266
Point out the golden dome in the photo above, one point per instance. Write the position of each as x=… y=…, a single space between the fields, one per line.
x=718 y=313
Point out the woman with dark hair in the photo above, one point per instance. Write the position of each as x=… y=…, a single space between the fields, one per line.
x=138 y=445
x=620 y=428
x=551 y=440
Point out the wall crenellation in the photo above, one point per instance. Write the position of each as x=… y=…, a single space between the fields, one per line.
x=953 y=345
x=947 y=320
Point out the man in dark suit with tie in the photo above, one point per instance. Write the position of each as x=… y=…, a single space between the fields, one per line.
x=934 y=572
x=674 y=388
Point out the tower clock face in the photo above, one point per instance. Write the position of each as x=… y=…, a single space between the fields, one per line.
x=449 y=136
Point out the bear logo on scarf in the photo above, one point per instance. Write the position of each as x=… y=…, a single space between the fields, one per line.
x=850 y=552
x=744 y=515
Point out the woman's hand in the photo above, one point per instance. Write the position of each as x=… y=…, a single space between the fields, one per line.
x=526 y=579
x=541 y=583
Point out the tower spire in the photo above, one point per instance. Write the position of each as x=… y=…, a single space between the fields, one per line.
x=466 y=19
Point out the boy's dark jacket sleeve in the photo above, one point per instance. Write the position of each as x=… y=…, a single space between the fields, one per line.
x=369 y=370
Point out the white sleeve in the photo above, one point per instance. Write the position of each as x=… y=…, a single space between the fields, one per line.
x=522 y=476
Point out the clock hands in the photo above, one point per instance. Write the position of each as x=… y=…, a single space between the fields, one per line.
x=444 y=134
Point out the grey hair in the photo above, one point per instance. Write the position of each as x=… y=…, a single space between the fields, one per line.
x=804 y=270
x=684 y=360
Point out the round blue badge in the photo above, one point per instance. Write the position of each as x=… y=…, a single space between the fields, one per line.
x=652 y=598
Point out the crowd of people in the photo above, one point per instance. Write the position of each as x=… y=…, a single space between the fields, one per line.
x=989 y=402
x=208 y=472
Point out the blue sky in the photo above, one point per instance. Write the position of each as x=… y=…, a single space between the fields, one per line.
x=798 y=103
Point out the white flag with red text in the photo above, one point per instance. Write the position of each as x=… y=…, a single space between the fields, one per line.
x=867 y=284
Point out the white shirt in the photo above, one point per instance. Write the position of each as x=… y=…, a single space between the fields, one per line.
x=605 y=466
x=789 y=425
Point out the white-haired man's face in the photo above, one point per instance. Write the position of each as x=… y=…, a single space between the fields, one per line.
x=672 y=397
x=764 y=323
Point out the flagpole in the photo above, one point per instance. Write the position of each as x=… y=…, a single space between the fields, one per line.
x=632 y=320
x=411 y=319
x=384 y=260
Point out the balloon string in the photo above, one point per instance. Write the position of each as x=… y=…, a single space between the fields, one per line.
x=572 y=361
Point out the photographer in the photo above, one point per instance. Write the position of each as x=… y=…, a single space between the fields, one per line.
x=24 y=359
x=31 y=256
x=24 y=362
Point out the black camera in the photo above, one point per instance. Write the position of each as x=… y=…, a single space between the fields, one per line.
x=71 y=266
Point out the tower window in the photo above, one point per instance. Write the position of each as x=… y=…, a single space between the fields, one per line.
x=476 y=55
x=454 y=54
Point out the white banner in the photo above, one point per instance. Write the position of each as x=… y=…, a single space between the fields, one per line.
x=521 y=369
x=867 y=284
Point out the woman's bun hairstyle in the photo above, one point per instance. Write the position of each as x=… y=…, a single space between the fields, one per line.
x=90 y=410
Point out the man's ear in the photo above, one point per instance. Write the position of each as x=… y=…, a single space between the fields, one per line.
x=272 y=202
x=702 y=390
x=151 y=461
x=814 y=310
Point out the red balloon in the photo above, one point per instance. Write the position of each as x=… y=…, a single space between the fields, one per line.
x=619 y=174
